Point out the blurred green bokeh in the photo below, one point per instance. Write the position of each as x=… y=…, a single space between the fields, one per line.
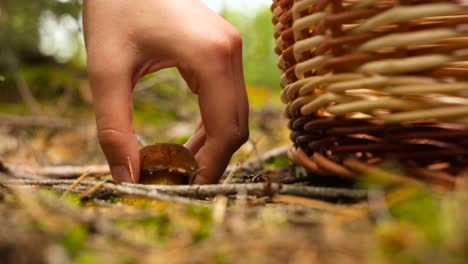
x=42 y=40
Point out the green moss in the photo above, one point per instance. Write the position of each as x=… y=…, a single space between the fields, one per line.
x=278 y=162
x=74 y=199
x=75 y=239
x=88 y=258
x=143 y=203
x=160 y=225
x=18 y=108
x=223 y=259
x=202 y=233
x=203 y=214
x=422 y=210
x=204 y=217
x=114 y=199
x=129 y=260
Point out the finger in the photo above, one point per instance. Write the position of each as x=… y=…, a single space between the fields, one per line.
x=113 y=106
x=197 y=140
x=223 y=109
x=238 y=70
x=243 y=101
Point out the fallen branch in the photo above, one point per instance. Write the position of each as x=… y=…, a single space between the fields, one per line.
x=91 y=190
x=57 y=172
x=111 y=188
x=167 y=193
x=259 y=189
x=259 y=162
x=74 y=184
x=34 y=121
x=119 y=190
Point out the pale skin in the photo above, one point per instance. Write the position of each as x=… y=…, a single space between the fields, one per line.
x=126 y=40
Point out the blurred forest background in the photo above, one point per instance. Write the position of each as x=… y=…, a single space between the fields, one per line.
x=46 y=118
x=43 y=84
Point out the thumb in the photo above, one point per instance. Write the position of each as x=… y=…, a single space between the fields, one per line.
x=115 y=129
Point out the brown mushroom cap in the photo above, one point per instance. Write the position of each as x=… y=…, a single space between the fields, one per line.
x=166 y=163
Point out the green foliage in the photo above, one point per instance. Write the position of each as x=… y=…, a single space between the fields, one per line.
x=87 y=259
x=201 y=233
x=182 y=139
x=421 y=210
x=203 y=217
x=73 y=199
x=423 y=227
x=16 y=108
x=145 y=112
x=259 y=58
x=201 y=213
x=278 y=162
x=159 y=223
x=51 y=79
x=141 y=203
x=19 y=22
x=74 y=241
x=222 y=259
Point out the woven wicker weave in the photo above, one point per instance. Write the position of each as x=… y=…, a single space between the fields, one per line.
x=369 y=81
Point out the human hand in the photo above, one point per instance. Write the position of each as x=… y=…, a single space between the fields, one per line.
x=126 y=40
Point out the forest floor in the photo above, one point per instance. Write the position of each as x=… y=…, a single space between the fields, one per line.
x=58 y=204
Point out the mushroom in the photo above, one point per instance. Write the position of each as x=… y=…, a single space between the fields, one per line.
x=167 y=164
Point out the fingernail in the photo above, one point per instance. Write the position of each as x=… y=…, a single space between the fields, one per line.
x=120 y=174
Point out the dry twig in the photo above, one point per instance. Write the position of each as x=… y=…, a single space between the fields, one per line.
x=258 y=189
x=231 y=174
x=57 y=172
x=75 y=183
x=92 y=189
x=111 y=188
x=34 y=121
x=176 y=193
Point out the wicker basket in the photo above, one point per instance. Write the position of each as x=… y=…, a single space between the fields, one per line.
x=368 y=81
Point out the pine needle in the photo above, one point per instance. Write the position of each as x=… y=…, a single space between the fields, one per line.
x=231 y=174
x=92 y=189
x=130 y=168
x=75 y=183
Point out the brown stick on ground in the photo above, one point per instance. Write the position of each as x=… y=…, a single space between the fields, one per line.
x=74 y=184
x=110 y=188
x=34 y=121
x=57 y=172
x=164 y=192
